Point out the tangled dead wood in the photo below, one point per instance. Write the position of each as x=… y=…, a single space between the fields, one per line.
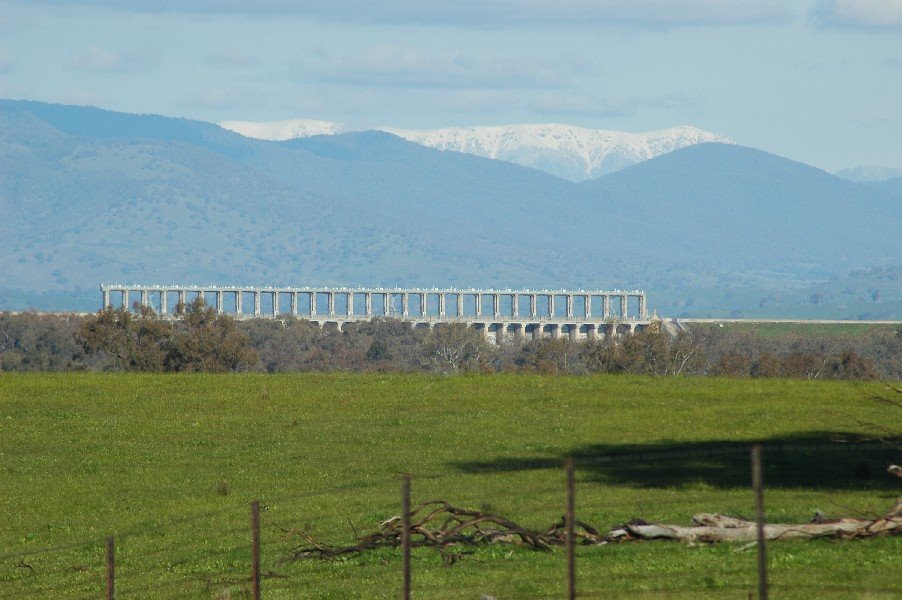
x=438 y=524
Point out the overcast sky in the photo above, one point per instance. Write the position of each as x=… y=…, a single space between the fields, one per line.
x=816 y=81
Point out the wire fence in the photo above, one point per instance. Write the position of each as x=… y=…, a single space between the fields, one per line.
x=269 y=547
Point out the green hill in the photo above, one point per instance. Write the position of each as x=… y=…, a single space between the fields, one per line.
x=90 y=196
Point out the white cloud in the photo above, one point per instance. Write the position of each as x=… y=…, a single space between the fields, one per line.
x=641 y=13
x=107 y=61
x=869 y=14
x=391 y=66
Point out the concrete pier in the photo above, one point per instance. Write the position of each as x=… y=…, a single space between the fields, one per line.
x=587 y=314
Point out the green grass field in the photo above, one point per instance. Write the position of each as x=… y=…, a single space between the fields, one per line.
x=169 y=463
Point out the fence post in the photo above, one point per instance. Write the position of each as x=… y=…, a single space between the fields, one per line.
x=110 y=568
x=570 y=519
x=405 y=536
x=758 y=484
x=255 y=550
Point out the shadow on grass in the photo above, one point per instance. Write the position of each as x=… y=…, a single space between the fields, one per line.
x=820 y=460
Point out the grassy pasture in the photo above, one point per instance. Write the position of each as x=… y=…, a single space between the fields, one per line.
x=170 y=462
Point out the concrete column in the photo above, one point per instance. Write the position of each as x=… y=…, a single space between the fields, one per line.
x=219 y=302
x=368 y=301
x=349 y=311
x=183 y=297
x=144 y=299
x=163 y=308
x=588 y=305
x=520 y=331
x=238 y=302
x=312 y=304
x=515 y=305
x=499 y=334
x=423 y=305
x=106 y=298
x=537 y=331
x=386 y=304
x=404 y=298
x=256 y=303
x=550 y=305
x=483 y=329
x=643 y=309
x=623 y=306
x=569 y=305
x=533 y=305
x=330 y=296
x=630 y=329
x=591 y=332
x=612 y=331
x=125 y=299
x=275 y=303
x=555 y=331
x=478 y=305
x=606 y=306
x=441 y=305
x=294 y=303
x=496 y=305
x=460 y=304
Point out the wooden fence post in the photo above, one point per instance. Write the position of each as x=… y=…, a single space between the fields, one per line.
x=758 y=484
x=255 y=550
x=405 y=536
x=570 y=520
x=110 y=568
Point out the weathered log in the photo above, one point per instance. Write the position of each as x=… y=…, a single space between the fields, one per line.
x=723 y=528
x=438 y=524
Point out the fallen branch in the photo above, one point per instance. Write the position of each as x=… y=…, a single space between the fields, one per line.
x=719 y=528
x=438 y=524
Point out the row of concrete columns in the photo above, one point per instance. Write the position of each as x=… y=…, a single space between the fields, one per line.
x=389 y=296
x=522 y=331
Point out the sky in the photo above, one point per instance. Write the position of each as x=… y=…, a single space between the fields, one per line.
x=819 y=81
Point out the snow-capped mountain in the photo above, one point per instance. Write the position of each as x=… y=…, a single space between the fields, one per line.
x=570 y=152
x=574 y=153
x=283 y=130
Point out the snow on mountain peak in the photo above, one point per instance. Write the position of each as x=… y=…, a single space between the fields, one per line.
x=283 y=130
x=570 y=152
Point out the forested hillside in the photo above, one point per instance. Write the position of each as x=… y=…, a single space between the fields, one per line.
x=90 y=196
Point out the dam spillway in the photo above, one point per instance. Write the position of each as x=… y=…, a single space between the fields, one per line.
x=578 y=314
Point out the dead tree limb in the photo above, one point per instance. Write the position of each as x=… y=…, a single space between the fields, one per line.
x=440 y=525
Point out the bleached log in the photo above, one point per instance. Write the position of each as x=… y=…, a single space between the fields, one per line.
x=722 y=528
x=440 y=525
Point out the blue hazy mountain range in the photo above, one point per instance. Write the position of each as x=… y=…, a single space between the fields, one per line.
x=90 y=196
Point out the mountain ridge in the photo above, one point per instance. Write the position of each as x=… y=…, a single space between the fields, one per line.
x=88 y=195
x=567 y=151
x=869 y=173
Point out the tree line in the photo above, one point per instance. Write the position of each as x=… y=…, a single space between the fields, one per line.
x=199 y=339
